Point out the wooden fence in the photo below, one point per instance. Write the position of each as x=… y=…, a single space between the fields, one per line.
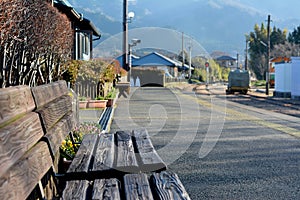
x=91 y=90
x=88 y=90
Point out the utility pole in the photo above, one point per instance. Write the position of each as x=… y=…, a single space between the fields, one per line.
x=246 y=56
x=125 y=36
x=237 y=61
x=182 y=49
x=268 y=55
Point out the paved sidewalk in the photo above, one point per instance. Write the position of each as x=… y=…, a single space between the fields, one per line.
x=251 y=158
x=89 y=115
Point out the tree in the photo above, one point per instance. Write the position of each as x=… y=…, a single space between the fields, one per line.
x=285 y=50
x=215 y=71
x=35 y=40
x=258 y=49
x=294 y=37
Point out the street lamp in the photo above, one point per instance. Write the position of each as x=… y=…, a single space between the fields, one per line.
x=190 y=59
x=127 y=18
x=246 y=52
x=268 y=62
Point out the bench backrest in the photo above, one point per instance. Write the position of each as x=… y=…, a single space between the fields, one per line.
x=33 y=123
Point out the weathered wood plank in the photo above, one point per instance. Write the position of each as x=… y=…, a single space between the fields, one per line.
x=104 y=154
x=17 y=138
x=126 y=161
x=148 y=158
x=107 y=189
x=136 y=186
x=76 y=190
x=81 y=163
x=166 y=185
x=44 y=94
x=15 y=101
x=23 y=176
x=58 y=133
x=52 y=112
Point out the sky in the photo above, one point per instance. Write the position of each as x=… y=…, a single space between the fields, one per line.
x=281 y=10
x=211 y=33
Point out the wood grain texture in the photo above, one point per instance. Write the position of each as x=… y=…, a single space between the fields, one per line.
x=15 y=101
x=52 y=112
x=23 y=176
x=58 y=133
x=136 y=186
x=104 y=154
x=76 y=190
x=166 y=185
x=106 y=189
x=148 y=158
x=126 y=160
x=44 y=94
x=17 y=138
x=80 y=164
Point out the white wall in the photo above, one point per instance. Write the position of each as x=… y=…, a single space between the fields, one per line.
x=283 y=77
x=295 y=77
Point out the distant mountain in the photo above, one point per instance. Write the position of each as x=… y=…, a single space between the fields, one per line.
x=216 y=25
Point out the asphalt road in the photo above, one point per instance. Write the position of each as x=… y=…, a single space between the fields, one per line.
x=219 y=149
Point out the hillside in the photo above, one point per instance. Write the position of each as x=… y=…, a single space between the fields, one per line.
x=215 y=26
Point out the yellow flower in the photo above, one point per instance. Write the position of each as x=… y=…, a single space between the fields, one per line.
x=69 y=143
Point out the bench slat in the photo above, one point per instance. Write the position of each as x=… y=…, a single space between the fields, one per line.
x=104 y=155
x=52 y=112
x=136 y=186
x=126 y=160
x=58 y=133
x=80 y=164
x=166 y=185
x=44 y=94
x=107 y=189
x=148 y=158
x=23 y=176
x=76 y=190
x=17 y=138
x=15 y=101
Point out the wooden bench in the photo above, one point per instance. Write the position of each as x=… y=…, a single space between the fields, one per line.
x=33 y=123
x=113 y=155
x=117 y=165
x=164 y=185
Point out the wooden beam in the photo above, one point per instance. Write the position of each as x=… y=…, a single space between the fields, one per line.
x=24 y=175
x=106 y=189
x=17 y=138
x=76 y=189
x=52 y=112
x=148 y=158
x=104 y=156
x=126 y=161
x=166 y=185
x=81 y=163
x=136 y=186
x=14 y=102
x=43 y=94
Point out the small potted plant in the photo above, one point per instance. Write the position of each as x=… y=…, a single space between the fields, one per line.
x=98 y=102
x=82 y=102
x=111 y=97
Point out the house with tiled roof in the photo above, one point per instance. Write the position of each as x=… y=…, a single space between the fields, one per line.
x=226 y=61
x=158 y=61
